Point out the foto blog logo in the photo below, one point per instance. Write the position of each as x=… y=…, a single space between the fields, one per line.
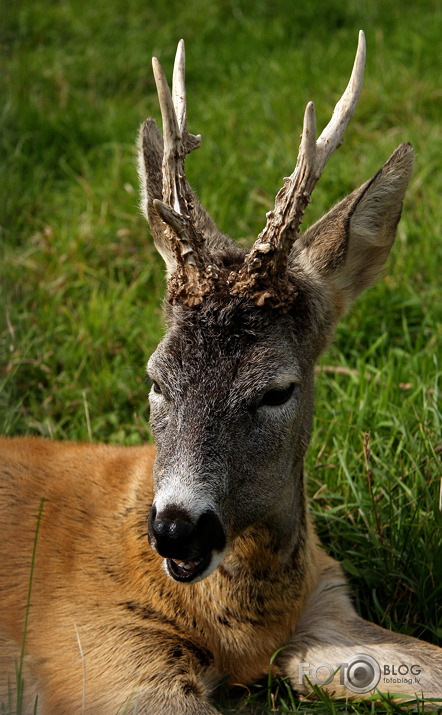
x=360 y=674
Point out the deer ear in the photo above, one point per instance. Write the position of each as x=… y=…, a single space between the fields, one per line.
x=150 y=159
x=349 y=245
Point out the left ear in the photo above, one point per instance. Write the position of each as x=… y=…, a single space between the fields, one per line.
x=349 y=245
x=150 y=158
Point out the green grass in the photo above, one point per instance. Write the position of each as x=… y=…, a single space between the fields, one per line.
x=81 y=286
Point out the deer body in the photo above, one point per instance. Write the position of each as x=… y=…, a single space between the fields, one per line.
x=159 y=573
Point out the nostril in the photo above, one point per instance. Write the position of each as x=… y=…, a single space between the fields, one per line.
x=181 y=530
x=210 y=531
x=160 y=527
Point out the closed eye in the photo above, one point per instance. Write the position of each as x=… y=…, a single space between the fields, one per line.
x=277 y=396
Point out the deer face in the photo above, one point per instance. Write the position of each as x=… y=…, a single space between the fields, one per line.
x=231 y=400
x=231 y=415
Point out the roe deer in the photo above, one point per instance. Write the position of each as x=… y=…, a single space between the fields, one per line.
x=158 y=574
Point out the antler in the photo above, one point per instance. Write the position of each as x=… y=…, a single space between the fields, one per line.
x=193 y=274
x=263 y=276
x=264 y=273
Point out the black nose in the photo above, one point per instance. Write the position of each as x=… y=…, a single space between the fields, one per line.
x=174 y=538
x=174 y=534
x=172 y=530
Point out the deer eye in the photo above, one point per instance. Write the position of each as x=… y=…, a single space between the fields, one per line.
x=278 y=396
x=156 y=388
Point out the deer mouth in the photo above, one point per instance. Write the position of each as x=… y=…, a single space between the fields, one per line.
x=187 y=570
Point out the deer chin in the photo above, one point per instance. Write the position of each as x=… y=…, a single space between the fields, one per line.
x=193 y=570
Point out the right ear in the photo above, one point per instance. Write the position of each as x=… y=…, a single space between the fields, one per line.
x=150 y=158
x=347 y=248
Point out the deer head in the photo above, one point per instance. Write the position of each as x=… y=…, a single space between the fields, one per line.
x=232 y=394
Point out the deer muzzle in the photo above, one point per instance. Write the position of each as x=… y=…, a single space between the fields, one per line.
x=191 y=547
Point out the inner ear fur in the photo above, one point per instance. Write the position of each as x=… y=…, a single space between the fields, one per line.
x=347 y=248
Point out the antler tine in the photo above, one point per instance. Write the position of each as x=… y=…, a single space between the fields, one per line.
x=179 y=87
x=170 y=125
x=331 y=137
x=307 y=149
x=269 y=254
x=177 y=141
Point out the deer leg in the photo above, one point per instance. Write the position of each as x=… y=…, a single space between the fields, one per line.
x=349 y=657
x=171 y=698
x=166 y=696
x=182 y=688
x=165 y=675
